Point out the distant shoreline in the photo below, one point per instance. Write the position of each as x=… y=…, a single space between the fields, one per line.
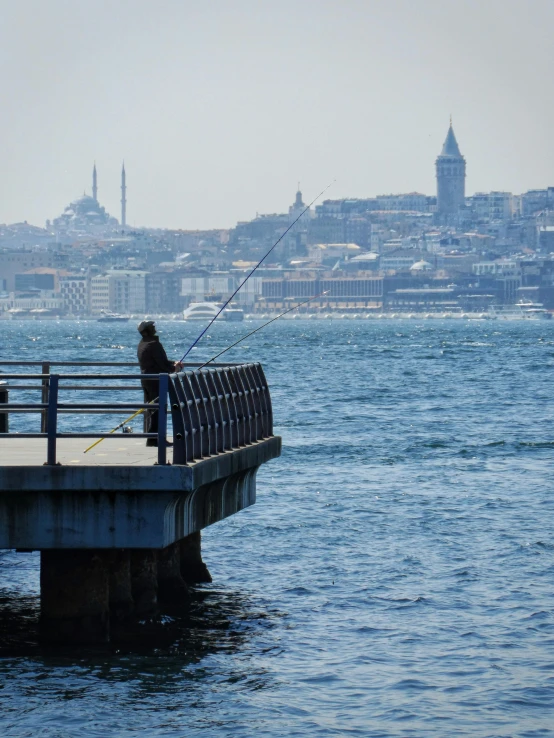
x=337 y=315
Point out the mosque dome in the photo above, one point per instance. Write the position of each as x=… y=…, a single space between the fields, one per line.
x=85 y=200
x=85 y=215
x=83 y=205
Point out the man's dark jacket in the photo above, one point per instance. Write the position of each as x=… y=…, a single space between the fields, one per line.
x=153 y=360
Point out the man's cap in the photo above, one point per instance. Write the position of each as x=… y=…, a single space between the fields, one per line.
x=145 y=325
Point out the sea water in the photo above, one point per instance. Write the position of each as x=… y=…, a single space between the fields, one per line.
x=395 y=577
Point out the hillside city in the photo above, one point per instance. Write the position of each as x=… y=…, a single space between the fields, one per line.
x=448 y=253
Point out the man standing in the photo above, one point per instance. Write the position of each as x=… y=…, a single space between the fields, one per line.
x=153 y=360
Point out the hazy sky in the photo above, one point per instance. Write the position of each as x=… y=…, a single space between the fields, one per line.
x=220 y=107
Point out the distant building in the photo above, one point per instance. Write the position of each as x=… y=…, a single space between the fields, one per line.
x=328 y=228
x=33 y=303
x=19 y=236
x=451 y=175
x=502 y=267
x=410 y=202
x=491 y=206
x=398 y=261
x=322 y=253
x=220 y=286
x=74 y=290
x=18 y=262
x=343 y=292
x=118 y=291
x=163 y=292
x=507 y=276
x=100 y=294
x=357 y=220
x=35 y=280
x=546 y=239
x=254 y=236
x=533 y=201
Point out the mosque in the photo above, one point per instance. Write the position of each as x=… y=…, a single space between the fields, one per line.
x=86 y=215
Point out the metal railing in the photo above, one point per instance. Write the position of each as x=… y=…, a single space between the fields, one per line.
x=218 y=409
x=214 y=409
x=46 y=367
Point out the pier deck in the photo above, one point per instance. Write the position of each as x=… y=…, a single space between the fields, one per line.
x=119 y=527
x=124 y=450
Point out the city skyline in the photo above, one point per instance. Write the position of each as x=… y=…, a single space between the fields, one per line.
x=358 y=95
x=450 y=167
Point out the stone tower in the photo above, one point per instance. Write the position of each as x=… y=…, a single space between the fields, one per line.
x=451 y=176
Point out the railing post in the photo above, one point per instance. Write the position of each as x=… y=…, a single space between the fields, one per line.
x=4 y=417
x=44 y=416
x=162 y=419
x=179 y=411
x=52 y=421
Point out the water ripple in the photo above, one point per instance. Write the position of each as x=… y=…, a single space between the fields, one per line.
x=393 y=579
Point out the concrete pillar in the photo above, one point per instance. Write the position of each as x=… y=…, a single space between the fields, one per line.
x=121 y=596
x=172 y=587
x=193 y=569
x=74 y=589
x=144 y=580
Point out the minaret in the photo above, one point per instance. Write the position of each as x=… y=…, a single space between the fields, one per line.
x=451 y=175
x=123 y=198
x=94 y=184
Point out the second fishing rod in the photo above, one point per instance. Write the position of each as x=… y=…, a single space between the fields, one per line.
x=241 y=285
x=206 y=363
x=245 y=280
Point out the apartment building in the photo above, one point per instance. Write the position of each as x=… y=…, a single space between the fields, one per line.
x=74 y=291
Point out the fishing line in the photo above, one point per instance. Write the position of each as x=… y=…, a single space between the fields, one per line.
x=259 y=328
x=139 y=412
x=253 y=270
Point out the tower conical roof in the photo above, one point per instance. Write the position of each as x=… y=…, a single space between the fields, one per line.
x=450 y=147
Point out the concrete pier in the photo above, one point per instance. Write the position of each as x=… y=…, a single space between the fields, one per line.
x=193 y=569
x=121 y=600
x=172 y=588
x=144 y=581
x=118 y=498
x=74 y=591
x=119 y=528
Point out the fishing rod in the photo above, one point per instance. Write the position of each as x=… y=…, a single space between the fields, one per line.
x=117 y=427
x=259 y=328
x=253 y=270
x=139 y=412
